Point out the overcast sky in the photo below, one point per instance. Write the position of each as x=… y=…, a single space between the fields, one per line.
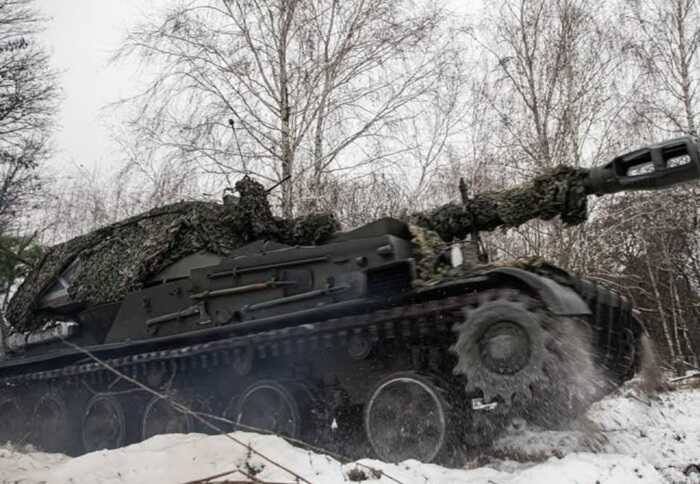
x=81 y=36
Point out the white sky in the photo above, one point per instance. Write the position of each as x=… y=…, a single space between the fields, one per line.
x=81 y=37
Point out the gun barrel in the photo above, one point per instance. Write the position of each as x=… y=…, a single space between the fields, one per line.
x=563 y=190
x=652 y=167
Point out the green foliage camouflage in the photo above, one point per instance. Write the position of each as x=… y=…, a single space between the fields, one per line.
x=428 y=247
x=560 y=191
x=119 y=258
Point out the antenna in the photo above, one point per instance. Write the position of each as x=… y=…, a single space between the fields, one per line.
x=232 y=123
x=278 y=183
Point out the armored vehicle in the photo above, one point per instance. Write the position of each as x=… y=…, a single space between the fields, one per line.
x=394 y=334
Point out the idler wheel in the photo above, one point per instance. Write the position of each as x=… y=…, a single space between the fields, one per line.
x=51 y=428
x=104 y=424
x=12 y=420
x=161 y=417
x=274 y=407
x=406 y=417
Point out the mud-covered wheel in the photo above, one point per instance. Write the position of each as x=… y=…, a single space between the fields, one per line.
x=407 y=417
x=511 y=349
x=13 y=422
x=104 y=424
x=274 y=407
x=51 y=426
x=161 y=417
x=501 y=346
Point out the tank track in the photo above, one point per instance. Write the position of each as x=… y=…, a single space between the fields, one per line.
x=431 y=318
x=617 y=331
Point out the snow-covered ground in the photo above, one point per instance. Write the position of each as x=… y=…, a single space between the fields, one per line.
x=626 y=439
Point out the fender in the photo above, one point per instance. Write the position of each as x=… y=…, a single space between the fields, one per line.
x=560 y=300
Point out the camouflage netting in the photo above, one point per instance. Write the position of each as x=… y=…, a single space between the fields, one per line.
x=119 y=258
x=558 y=192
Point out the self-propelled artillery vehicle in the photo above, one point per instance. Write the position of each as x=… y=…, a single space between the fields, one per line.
x=294 y=327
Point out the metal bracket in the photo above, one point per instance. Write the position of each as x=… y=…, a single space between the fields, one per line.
x=199 y=309
x=478 y=404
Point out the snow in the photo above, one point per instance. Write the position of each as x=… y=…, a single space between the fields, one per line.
x=624 y=439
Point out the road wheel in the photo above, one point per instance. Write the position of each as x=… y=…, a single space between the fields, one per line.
x=407 y=417
x=104 y=424
x=51 y=426
x=274 y=407
x=161 y=417
x=13 y=422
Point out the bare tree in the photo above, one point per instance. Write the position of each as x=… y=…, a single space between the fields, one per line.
x=432 y=134
x=554 y=63
x=553 y=94
x=663 y=39
x=646 y=246
x=28 y=97
x=281 y=88
x=473 y=155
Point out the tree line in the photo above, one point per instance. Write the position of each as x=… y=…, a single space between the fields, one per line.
x=376 y=107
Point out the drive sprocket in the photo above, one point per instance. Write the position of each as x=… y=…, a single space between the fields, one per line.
x=504 y=347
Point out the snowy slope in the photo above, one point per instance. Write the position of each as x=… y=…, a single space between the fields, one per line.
x=626 y=440
x=663 y=432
